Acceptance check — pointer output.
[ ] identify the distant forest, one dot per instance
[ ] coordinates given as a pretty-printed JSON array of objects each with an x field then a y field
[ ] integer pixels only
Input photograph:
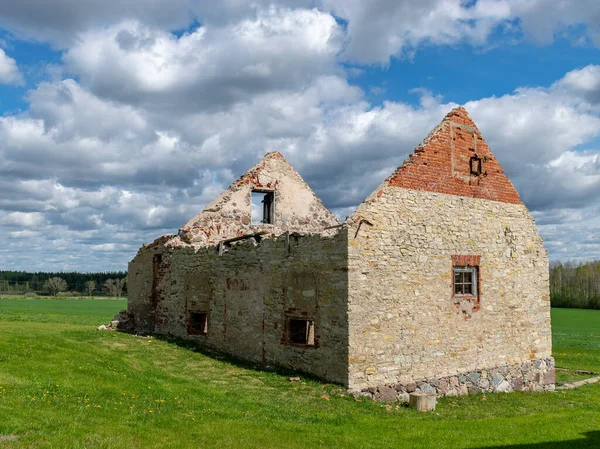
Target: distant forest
[
  {"x": 76, "y": 283},
  {"x": 575, "y": 285}
]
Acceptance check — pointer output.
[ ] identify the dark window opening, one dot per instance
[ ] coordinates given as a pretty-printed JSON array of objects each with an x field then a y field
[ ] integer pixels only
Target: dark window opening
[
  {"x": 156, "y": 261},
  {"x": 465, "y": 281},
  {"x": 475, "y": 165},
  {"x": 197, "y": 323},
  {"x": 263, "y": 207},
  {"x": 301, "y": 332}
]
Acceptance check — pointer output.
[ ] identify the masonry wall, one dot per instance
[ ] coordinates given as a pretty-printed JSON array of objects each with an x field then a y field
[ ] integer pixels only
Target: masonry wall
[
  {"x": 250, "y": 292},
  {"x": 407, "y": 326},
  {"x": 296, "y": 207}
]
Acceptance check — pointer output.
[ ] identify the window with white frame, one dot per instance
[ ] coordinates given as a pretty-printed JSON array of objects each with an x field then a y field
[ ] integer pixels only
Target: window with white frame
[{"x": 465, "y": 281}]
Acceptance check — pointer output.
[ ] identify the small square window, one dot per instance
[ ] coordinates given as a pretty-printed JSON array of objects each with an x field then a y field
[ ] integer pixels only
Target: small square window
[
  {"x": 465, "y": 281},
  {"x": 301, "y": 332},
  {"x": 263, "y": 207},
  {"x": 197, "y": 323}
]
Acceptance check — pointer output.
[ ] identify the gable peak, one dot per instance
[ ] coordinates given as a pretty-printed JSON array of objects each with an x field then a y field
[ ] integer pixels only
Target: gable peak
[{"x": 455, "y": 159}]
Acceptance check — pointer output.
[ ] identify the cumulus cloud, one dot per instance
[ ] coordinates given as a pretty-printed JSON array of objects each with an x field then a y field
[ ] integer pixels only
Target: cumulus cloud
[
  {"x": 384, "y": 28},
  {"x": 376, "y": 30},
  {"x": 9, "y": 72},
  {"x": 541, "y": 21},
  {"x": 211, "y": 66},
  {"x": 583, "y": 83}
]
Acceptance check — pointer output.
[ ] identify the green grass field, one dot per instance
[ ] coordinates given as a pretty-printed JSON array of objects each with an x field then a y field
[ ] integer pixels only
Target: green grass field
[{"x": 65, "y": 385}]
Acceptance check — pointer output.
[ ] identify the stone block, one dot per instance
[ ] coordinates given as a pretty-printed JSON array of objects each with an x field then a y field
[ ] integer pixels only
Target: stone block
[
  {"x": 474, "y": 377},
  {"x": 387, "y": 394},
  {"x": 424, "y": 387},
  {"x": 423, "y": 402},
  {"x": 473, "y": 389},
  {"x": 496, "y": 380},
  {"x": 503, "y": 387},
  {"x": 483, "y": 384},
  {"x": 549, "y": 377},
  {"x": 517, "y": 383},
  {"x": 403, "y": 397}
]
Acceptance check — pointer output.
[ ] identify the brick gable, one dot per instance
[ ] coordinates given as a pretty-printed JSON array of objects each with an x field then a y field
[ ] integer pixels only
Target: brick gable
[{"x": 443, "y": 163}]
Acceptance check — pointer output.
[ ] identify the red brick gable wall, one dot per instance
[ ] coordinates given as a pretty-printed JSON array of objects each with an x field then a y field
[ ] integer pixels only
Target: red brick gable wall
[{"x": 442, "y": 163}]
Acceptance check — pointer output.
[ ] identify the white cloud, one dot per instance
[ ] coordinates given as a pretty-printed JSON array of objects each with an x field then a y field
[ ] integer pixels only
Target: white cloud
[
  {"x": 384, "y": 28},
  {"x": 210, "y": 67},
  {"x": 9, "y": 72},
  {"x": 542, "y": 20},
  {"x": 583, "y": 83}
]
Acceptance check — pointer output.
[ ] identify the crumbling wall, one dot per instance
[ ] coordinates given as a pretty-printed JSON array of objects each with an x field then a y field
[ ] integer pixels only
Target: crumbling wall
[
  {"x": 250, "y": 293},
  {"x": 296, "y": 207}
]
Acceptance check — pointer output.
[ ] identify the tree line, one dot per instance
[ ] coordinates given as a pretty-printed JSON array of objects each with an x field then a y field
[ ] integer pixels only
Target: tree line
[
  {"x": 575, "y": 285},
  {"x": 111, "y": 283}
]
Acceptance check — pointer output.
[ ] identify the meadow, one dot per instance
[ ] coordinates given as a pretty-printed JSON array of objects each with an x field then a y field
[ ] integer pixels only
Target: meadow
[{"x": 63, "y": 384}]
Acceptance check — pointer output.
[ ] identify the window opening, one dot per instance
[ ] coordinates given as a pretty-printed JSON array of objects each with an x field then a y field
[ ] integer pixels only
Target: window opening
[
  {"x": 475, "y": 165},
  {"x": 263, "y": 210},
  {"x": 197, "y": 323},
  {"x": 301, "y": 332},
  {"x": 156, "y": 261},
  {"x": 465, "y": 281}
]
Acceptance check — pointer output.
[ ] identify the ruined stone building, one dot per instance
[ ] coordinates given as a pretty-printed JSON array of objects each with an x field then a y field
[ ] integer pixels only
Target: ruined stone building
[{"x": 437, "y": 282}]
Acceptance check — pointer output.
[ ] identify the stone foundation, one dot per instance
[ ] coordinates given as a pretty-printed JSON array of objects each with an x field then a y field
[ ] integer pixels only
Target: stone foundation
[{"x": 535, "y": 375}]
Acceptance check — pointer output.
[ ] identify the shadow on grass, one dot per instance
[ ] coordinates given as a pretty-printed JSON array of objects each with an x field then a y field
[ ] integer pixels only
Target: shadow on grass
[
  {"x": 591, "y": 440},
  {"x": 237, "y": 361}
]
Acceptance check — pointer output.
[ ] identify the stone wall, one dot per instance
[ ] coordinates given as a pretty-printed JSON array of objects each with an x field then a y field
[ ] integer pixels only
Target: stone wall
[
  {"x": 534, "y": 375},
  {"x": 406, "y": 325},
  {"x": 296, "y": 207},
  {"x": 250, "y": 292}
]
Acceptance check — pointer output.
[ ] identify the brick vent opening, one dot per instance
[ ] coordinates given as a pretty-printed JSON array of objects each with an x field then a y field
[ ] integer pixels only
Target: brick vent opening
[
  {"x": 301, "y": 332},
  {"x": 197, "y": 323}
]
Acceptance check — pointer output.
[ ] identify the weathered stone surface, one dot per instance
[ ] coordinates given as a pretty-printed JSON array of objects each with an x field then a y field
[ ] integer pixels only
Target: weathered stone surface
[
  {"x": 427, "y": 388},
  {"x": 423, "y": 402},
  {"x": 387, "y": 394},
  {"x": 517, "y": 384},
  {"x": 549, "y": 377},
  {"x": 515, "y": 378},
  {"x": 503, "y": 387},
  {"x": 297, "y": 208},
  {"x": 403, "y": 397},
  {"x": 483, "y": 384},
  {"x": 496, "y": 379},
  {"x": 474, "y": 377}
]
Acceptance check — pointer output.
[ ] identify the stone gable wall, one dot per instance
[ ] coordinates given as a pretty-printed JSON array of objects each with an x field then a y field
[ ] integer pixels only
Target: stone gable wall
[
  {"x": 250, "y": 292},
  {"x": 297, "y": 208},
  {"x": 405, "y": 323}
]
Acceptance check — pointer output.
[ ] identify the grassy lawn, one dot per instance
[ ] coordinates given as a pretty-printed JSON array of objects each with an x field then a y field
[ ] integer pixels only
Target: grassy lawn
[{"x": 65, "y": 385}]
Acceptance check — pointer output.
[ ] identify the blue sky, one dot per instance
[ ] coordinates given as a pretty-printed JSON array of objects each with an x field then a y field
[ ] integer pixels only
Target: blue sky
[{"x": 119, "y": 120}]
